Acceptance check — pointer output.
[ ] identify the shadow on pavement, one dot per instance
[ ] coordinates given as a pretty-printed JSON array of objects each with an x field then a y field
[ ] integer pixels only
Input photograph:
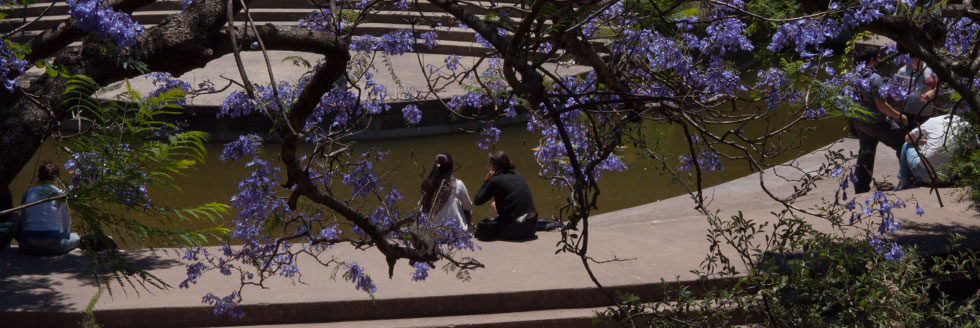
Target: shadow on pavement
[
  {"x": 32, "y": 283},
  {"x": 933, "y": 238}
]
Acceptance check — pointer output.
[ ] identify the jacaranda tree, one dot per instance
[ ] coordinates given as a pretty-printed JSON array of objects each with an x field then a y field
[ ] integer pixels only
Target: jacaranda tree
[{"x": 735, "y": 76}]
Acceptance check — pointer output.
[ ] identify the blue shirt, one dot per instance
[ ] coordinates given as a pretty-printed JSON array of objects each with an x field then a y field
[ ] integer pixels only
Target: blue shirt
[{"x": 47, "y": 216}]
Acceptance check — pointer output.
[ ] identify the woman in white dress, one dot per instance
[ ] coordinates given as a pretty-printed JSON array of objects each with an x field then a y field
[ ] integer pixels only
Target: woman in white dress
[{"x": 444, "y": 196}]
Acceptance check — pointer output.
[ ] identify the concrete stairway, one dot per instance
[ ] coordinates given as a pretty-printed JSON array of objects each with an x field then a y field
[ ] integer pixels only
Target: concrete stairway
[{"x": 452, "y": 39}]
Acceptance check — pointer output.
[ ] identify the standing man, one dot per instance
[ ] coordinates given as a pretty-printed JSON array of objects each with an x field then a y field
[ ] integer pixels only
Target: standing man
[
  {"x": 884, "y": 124},
  {"x": 921, "y": 82}
]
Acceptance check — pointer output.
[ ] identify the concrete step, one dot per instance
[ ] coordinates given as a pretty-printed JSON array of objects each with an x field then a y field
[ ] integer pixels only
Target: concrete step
[
  {"x": 560, "y": 318},
  {"x": 444, "y": 47},
  {"x": 382, "y": 23},
  {"x": 260, "y": 11},
  {"x": 547, "y": 307}
]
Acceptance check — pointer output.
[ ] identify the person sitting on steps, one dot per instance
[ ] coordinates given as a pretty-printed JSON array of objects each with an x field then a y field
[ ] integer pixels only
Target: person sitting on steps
[
  {"x": 937, "y": 141},
  {"x": 516, "y": 216},
  {"x": 45, "y": 228}
]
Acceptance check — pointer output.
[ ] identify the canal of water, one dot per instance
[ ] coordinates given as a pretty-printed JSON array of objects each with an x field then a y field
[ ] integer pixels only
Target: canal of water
[{"x": 410, "y": 158}]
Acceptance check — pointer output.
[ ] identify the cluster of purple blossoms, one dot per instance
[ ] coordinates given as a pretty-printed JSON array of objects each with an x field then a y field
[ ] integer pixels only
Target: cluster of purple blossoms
[
  {"x": 429, "y": 39},
  {"x": 412, "y": 113},
  {"x": 246, "y": 145},
  {"x": 480, "y": 40},
  {"x": 377, "y": 94},
  {"x": 238, "y": 103},
  {"x": 318, "y": 20},
  {"x": 421, "y": 271},
  {"x": 94, "y": 17},
  {"x": 866, "y": 11},
  {"x": 662, "y": 53},
  {"x": 725, "y": 35},
  {"x": 716, "y": 81},
  {"x": 391, "y": 43},
  {"x": 552, "y": 152},
  {"x": 133, "y": 193},
  {"x": 889, "y": 250},
  {"x": 488, "y": 136},
  {"x": 256, "y": 198},
  {"x": 86, "y": 168},
  {"x": 448, "y": 233},
  {"x": 851, "y": 84},
  {"x": 224, "y": 305},
  {"x": 10, "y": 66},
  {"x": 402, "y": 4},
  {"x": 338, "y": 101},
  {"x": 340, "y": 106},
  {"x": 960, "y": 36},
  {"x": 361, "y": 280},
  {"x": 328, "y": 233},
  {"x": 816, "y": 111},
  {"x": 387, "y": 214},
  {"x": 365, "y": 184},
  {"x": 878, "y": 205},
  {"x": 806, "y": 35},
  {"x": 452, "y": 62},
  {"x": 164, "y": 82},
  {"x": 775, "y": 83},
  {"x": 126, "y": 183},
  {"x": 707, "y": 160},
  {"x": 194, "y": 271},
  {"x": 896, "y": 89},
  {"x": 615, "y": 15},
  {"x": 469, "y": 99},
  {"x": 360, "y": 175}
]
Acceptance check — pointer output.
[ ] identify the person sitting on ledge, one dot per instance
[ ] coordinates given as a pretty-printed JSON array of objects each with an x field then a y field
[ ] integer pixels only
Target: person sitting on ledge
[
  {"x": 44, "y": 228},
  {"x": 444, "y": 196},
  {"x": 936, "y": 140},
  {"x": 516, "y": 217}
]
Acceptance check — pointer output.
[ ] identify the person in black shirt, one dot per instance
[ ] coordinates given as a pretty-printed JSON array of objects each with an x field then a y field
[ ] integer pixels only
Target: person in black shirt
[
  {"x": 516, "y": 217},
  {"x": 884, "y": 124}
]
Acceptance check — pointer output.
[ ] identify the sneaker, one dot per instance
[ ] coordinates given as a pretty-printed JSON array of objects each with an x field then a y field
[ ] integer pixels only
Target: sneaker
[
  {"x": 98, "y": 244},
  {"x": 884, "y": 186}
]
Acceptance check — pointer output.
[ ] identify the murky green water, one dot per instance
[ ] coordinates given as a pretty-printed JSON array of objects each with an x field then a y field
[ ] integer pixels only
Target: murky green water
[{"x": 410, "y": 158}]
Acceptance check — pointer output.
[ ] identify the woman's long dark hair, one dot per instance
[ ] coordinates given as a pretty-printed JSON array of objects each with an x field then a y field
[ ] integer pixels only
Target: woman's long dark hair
[{"x": 437, "y": 188}]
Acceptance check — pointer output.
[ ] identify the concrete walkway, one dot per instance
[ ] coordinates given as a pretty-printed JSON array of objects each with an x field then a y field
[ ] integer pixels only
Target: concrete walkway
[{"x": 664, "y": 240}]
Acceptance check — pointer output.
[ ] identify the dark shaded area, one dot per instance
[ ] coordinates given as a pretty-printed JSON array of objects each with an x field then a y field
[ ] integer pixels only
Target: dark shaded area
[
  {"x": 26, "y": 283},
  {"x": 933, "y": 238}
]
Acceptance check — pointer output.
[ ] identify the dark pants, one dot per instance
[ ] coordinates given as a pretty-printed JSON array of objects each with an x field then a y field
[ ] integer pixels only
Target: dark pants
[
  {"x": 869, "y": 134},
  {"x": 493, "y": 229},
  {"x": 9, "y": 221}
]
